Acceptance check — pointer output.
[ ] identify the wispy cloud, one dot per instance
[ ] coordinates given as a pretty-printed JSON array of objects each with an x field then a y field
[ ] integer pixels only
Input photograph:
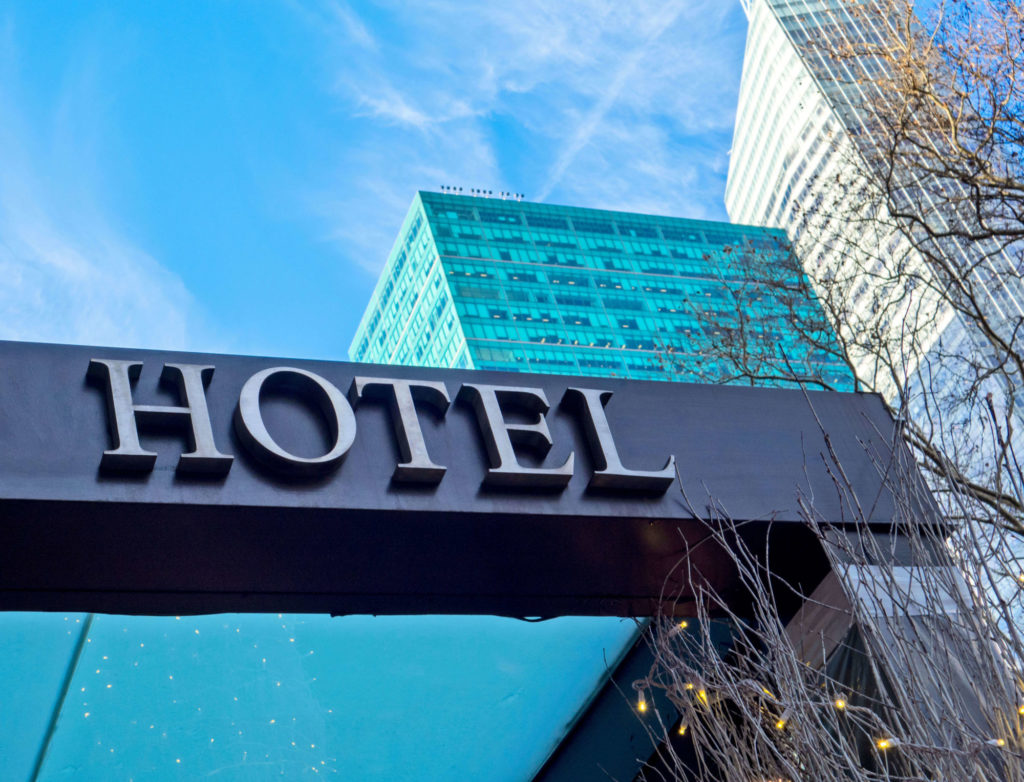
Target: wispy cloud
[
  {"x": 365, "y": 205},
  {"x": 626, "y": 72},
  {"x": 594, "y": 103},
  {"x": 389, "y": 104},
  {"x": 66, "y": 273},
  {"x": 353, "y": 27}
]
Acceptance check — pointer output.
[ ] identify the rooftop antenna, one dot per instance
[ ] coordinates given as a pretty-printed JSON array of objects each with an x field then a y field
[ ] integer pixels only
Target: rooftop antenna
[{"x": 479, "y": 192}]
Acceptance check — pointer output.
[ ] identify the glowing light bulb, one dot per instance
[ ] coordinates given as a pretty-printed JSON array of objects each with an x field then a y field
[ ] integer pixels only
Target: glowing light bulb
[
  {"x": 689, "y": 686},
  {"x": 682, "y": 730},
  {"x": 702, "y": 696},
  {"x": 641, "y": 705},
  {"x": 886, "y": 743},
  {"x": 1020, "y": 710},
  {"x": 997, "y": 742},
  {"x": 840, "y": 704},
  {"x": 684, "y": 624},
  {"x": 780, "y": 725}
]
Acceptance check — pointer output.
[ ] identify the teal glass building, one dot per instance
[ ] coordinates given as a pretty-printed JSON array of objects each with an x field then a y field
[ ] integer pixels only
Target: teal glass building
[{"x": 508, "y": 285}]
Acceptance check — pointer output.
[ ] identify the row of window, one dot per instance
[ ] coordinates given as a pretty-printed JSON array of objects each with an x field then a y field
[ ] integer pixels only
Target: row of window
[
  {"x": 463, "y": 271},
  {"x": 458, "y": 211},
  {"x": 661, "y": 363},
  {"x": 636, "y": 246}
]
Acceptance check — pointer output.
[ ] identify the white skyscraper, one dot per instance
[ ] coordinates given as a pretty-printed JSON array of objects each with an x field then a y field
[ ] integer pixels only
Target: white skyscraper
[{"x": 802, "y": 161}]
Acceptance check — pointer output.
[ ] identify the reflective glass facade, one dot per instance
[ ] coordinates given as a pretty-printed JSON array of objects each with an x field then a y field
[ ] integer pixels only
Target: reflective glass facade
[
  {"x": 507, "y": 285},
  {"x": 804, "y": 124}
]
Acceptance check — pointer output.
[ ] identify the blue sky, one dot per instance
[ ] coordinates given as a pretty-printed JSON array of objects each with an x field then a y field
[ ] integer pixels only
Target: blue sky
[{"x": 229, "y": 176}]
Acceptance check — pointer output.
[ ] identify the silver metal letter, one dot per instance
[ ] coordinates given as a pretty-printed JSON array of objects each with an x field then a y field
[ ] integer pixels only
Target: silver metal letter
[
  {"x": 609, "y": 472},
  {"x": 416, "y": 466},
  {"x": 501, "y": 437},
  {"x": 252, "y": 431},
  {"x": 124, "y": 417}
]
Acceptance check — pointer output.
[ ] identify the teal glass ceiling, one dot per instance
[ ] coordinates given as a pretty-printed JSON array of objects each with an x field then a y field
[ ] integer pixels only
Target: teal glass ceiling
[{"x": 254, "y": 697}]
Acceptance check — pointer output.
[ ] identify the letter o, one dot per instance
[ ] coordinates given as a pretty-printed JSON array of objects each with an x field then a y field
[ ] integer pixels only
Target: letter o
[{"x": 252, "y": 431}]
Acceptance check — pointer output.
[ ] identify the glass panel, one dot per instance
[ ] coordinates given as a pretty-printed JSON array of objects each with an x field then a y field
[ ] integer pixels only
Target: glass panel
[
  {"x": 34, "y": 658},
  {"x": 253, "y": 697}
]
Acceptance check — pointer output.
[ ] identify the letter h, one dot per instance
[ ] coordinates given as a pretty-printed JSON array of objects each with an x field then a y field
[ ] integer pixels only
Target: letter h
[{"x": 124, "y": 417}]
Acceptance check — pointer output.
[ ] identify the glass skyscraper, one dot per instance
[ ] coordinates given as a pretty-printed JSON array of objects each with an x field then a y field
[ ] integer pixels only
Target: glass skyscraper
[
  {"x": 804, "y": 138},
  {"x": 796, "y": 137},
  {"x": 518, "y": 286}
]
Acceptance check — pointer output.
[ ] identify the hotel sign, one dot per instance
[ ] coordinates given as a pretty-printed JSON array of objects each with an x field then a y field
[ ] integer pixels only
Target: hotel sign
[
  {"x": 492, "y": 404},
  {"x": 156, "y": 482}
]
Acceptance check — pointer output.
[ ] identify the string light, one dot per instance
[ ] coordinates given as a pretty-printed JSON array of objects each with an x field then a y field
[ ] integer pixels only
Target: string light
[
  {"x": 683, "y": 625},
  {"x": 682, "y": 729},
  {"x": 996, "y": 742},
  {"x": 641, "y": 705},
  {"x": 840, "y": 704},
  {"x": 780, "y": 725},
  {"x": 702, "y": 696},
  {"x": 886, "y": 743}
]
